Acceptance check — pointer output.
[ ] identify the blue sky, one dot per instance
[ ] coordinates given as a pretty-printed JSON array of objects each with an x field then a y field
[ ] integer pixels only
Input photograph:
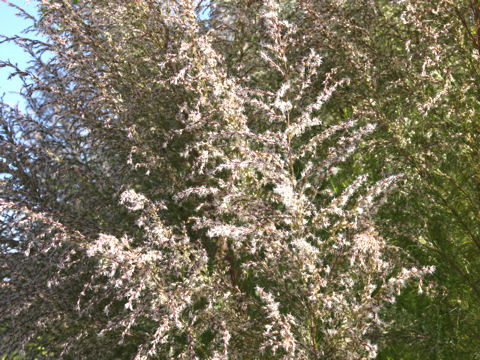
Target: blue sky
[{"x": 10, "y": 24}]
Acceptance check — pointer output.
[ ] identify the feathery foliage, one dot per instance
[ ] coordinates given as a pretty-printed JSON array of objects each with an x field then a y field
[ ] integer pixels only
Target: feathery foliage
[{"x": 207, "y": 179}]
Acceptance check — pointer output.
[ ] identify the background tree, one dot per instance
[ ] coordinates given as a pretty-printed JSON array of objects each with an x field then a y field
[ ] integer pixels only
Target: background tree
[{"x": 413, "y": 69}]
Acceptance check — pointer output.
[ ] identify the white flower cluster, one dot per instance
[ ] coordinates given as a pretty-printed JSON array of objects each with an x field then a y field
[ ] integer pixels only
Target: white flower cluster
[{"x": 133, "y": 200}]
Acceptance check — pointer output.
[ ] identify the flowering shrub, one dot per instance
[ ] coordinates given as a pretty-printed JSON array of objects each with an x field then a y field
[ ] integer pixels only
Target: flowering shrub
[{"x": 160, "y": 206}]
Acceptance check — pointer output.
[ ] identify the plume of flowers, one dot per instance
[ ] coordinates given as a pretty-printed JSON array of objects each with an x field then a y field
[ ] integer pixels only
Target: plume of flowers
[{"x": 216, "y": 238}]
